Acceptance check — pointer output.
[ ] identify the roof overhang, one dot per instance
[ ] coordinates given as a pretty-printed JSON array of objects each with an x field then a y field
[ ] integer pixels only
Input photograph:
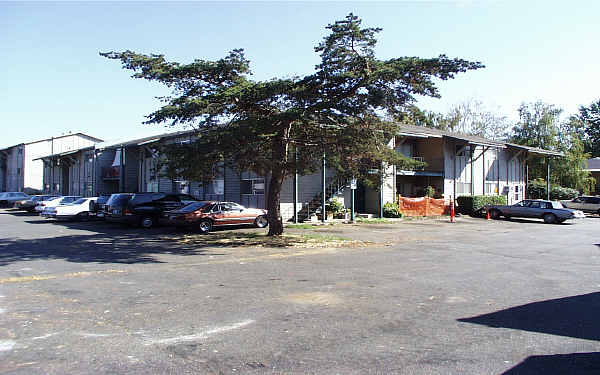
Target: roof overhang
[
  {"x": 534, "y": 150},
  {"x": 418, "y": 135},
  {"x": 477, "y": 142},
  {"x": 64, "y": 154}
]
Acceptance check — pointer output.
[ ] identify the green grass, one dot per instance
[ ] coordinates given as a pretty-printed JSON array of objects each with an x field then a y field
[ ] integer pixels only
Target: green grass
[
  {"x": 377, "y": 220},
  {"x": 300, "y": 226}
]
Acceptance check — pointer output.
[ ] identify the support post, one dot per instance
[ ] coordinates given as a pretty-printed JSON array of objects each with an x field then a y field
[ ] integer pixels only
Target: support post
[
  {"x": 122, "y": 170},
  {"x": 526, "y": 179},
  {"x": 381, "y": 192},
  {"x": 547, "y": 178},
  {"x": 352, "y": 206},
  {"x": 324, "y": 188},
  {"x": 296, "y": 187}
]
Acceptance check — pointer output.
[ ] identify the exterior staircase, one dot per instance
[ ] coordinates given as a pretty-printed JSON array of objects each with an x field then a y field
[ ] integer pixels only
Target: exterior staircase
[{"x": 333, "y": 187}]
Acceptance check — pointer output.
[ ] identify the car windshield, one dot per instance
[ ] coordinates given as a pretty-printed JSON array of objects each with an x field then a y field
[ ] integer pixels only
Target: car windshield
[
  {"x": 118, "y": 199},
  {"x": 557, "y": 205},
  {"x": 194, "y": 206},
  {"x": 79, "y": 201}
]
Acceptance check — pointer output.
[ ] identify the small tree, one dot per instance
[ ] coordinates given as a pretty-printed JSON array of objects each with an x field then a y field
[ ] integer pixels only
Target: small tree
[{"x": 284, "y": 125}]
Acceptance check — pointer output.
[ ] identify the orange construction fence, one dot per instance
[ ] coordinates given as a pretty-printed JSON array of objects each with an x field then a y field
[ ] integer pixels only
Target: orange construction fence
[{"x": 424, "y": 206}]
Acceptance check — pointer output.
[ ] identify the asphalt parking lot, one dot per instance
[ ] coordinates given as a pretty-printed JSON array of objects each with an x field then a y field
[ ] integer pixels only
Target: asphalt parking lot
[{"x": 425, "y": 297}]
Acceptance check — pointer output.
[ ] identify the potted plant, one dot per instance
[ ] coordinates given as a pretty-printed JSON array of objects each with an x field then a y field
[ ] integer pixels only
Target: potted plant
[{"x": 336, "y": 209}]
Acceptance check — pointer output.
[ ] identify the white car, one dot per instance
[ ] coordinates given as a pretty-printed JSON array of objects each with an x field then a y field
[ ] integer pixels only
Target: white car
[
  {"x": 79, "y": 209},
  {"x": 55, "y": 202}
]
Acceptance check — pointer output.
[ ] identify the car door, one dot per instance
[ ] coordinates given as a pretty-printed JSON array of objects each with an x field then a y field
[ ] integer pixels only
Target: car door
[
  {"x": 218, "y": 215},
  {"x": 239, "y": 214},
  {"x": 518, "y": 209},
  {"x": 536, "y": 209}
]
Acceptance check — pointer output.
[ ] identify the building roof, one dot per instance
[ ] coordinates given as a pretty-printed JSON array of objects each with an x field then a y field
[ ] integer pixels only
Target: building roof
[
  {"x": 66, "y": 153},
  {"x": 593, "y": 165},
  {"x": 94, "y": 139},
  {"x": 423, "y": 132},
  {"x": 141, "y": 141}
]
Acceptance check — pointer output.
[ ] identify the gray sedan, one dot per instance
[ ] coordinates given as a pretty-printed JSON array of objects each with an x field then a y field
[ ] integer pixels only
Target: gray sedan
[
  {"x": 550, "y": 211},
  {"x": 8, "y": 199}
]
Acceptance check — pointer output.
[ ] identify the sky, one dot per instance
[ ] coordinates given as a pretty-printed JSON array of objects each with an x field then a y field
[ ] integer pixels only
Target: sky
[{"x": 53, "y": 80}]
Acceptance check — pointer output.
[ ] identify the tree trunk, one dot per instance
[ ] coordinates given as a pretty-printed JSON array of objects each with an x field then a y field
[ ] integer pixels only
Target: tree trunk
[
  {"x": 278, "y": 153},
  {"x": 274, "y": 201}
]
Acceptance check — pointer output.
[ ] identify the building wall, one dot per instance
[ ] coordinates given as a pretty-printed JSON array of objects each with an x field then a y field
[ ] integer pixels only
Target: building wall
[
  {"x": 495, "y": 171},
  {"x": 14, "y": 172},
  {"x": 34, "y": 169}
]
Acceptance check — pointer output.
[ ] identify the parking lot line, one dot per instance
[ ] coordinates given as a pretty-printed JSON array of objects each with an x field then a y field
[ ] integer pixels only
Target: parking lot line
[{"x": 201, "y": 335}]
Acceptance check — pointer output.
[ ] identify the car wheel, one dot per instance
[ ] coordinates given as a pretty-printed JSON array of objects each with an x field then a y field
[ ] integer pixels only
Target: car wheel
[
  {"x": 83, "y": 216},
  {"x": 549, "y": 218},
  {"x": 205, "y": 226},
  {"x": 495, "y": 214},
  {"x": 261, "y": 221},
  {"x": 147, "y": 222}
]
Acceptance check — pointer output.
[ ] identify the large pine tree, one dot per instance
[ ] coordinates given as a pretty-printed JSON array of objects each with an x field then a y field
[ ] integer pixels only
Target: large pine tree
[{"x": 255, "y": 125}]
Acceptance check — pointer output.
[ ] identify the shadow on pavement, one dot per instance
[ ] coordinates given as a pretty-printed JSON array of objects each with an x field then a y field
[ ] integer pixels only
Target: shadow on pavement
[
  {"x": 537, "y": 221},
  {"x": 572, "y": 364},
  {"x": 102, "y": 242},
  {"x": 575, "y": 316},
  {"x": 124, "y": 248}
]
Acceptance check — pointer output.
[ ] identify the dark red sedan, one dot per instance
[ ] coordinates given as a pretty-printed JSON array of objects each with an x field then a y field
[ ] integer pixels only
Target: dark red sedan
[{"x": 206, "y": 215}]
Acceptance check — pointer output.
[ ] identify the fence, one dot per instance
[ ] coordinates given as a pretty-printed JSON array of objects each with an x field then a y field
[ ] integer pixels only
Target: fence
[{"x": 424, "y": 206}]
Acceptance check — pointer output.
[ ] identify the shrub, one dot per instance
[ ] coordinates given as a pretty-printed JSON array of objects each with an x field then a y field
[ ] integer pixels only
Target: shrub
[
  {"x": 537, "y": 190},
  {"x": 471, "y": 204},
  {"x": 335, "y": 206},
  {"x": 561, "y": 193},
  {"x": 429, "y": 191},
  {"x": 391, "y": 210}
]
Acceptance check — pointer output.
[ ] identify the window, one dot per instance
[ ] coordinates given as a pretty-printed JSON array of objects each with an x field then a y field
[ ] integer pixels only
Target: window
[
  {"x": 535, "y": 204},
  {"x": 254, "y": 186}
]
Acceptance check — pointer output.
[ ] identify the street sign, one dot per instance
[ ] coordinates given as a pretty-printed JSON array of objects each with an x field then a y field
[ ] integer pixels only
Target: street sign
[{"x": 353, "y": 184}]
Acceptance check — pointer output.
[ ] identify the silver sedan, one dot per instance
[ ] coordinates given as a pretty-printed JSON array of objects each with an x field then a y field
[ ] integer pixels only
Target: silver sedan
[{"x": 550, "y": 211}]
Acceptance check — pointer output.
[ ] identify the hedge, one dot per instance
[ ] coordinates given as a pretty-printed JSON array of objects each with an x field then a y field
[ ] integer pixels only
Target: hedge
[
  {"x": 537, "y": 190},
  {"x": 470, "y": 204}
]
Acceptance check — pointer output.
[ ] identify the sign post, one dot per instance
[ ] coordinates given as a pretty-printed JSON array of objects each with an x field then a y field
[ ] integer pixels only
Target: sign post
[{"x": 352, "y": 188}]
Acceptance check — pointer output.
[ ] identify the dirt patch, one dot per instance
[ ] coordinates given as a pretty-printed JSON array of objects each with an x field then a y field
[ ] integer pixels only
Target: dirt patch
[{"x": 242, "y": 239}]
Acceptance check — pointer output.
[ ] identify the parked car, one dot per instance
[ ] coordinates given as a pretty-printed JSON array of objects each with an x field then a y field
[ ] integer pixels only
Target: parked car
[
  {"x": 550, "y": 211},
  {"x": 206, "y": 215},
  {"x": 584, "y": 203},
  {"x": 55, "y": 202},
  {"x": 79, "y": 209},
  {"x": 143, "y": 209},
  {"x": 29, "y": 204},
  {"x": 98, "y": 209},
  {"x": 8, "y": 199}
]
